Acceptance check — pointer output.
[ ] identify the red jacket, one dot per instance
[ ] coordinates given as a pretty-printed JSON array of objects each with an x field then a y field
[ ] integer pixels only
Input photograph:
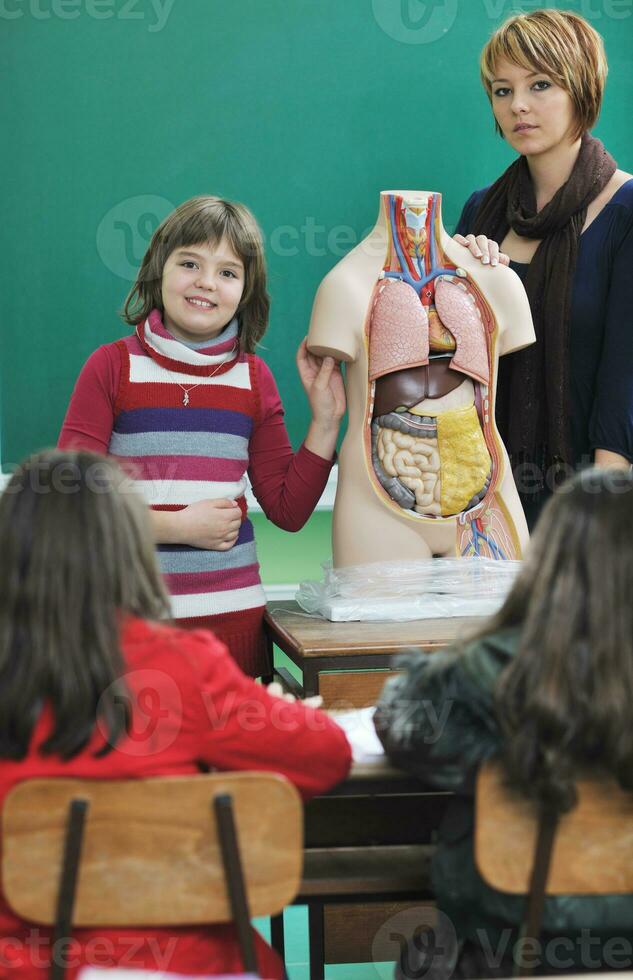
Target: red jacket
[{"x": 192, "y": 709}]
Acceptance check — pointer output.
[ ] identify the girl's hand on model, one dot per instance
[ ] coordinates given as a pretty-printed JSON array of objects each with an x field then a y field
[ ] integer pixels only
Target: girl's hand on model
[
  {"x": 211, "y": 524},
  {"x": 323, "y": 384},
  {"x": 483, "y": 248}
]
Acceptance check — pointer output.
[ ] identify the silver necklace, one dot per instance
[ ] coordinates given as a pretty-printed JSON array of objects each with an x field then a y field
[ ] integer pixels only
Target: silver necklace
[{"x": 186, "y": 390}]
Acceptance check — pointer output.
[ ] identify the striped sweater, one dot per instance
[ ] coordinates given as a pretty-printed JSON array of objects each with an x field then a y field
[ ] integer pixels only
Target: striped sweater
[{"x": 179, "y": 453}]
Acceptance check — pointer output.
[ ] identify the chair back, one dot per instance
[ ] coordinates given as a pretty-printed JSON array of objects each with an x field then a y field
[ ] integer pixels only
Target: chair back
[
  {"x": 592, "y": 850},
  {"x": 150, "y": 852}
]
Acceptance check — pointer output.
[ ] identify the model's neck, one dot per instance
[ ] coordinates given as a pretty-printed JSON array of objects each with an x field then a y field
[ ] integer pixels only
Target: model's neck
[
  {"x": 550, "y": 170},
  {"x": 418, "y": 201}
]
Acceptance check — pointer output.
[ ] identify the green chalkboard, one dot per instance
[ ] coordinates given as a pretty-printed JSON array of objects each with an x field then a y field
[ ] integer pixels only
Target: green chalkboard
[{"x": 113, "y": 111}]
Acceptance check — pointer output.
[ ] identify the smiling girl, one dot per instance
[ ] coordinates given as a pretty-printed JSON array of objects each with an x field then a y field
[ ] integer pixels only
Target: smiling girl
[
  {"x": 563, "y": 217},
  {"x": 189, "y": 409}
]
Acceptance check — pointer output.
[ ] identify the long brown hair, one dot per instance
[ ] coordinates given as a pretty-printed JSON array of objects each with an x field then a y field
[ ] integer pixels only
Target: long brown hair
[
  {"x": 77, "y": 555},
  {"x": 565, "y": 700},
  {"x": 199, "y": 221}
]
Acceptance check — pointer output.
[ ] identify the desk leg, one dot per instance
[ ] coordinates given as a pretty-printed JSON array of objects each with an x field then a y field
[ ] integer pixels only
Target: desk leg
[
  {"x": 310, "y": 680},
  {"x": 269, "y": 674},
  {"x": 316, "y": 940}
]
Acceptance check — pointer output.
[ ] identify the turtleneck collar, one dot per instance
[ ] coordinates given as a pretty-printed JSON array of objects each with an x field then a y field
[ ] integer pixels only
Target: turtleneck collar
[{"x": 210, "y": 357}]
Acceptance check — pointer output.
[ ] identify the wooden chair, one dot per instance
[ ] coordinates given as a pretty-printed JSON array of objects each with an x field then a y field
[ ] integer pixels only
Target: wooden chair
[
  {"x": 524, "y": 850},
  {"x": 169, "y": 851}
]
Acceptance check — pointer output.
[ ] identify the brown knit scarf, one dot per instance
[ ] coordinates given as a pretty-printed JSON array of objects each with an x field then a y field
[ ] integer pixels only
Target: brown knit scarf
[{"x": 533, "y": 388}]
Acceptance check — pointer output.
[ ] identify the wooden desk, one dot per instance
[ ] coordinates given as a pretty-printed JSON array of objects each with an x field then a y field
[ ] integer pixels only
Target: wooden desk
[
  {"x": 323, "y": 650},
  {"x": 375, "y": 804},
  {"x": 368, "y": 844}
]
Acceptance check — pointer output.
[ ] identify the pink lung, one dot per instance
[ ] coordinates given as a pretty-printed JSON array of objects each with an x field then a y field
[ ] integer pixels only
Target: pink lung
[
  {"x": 399, "y": 336},
  {"x": 459, "y": 312}
]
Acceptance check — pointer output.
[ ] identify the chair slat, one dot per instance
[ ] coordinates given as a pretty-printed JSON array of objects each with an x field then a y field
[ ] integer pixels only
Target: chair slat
[
  {"x": 593, "y": 849},
  {"x": 151, "y": 855}
]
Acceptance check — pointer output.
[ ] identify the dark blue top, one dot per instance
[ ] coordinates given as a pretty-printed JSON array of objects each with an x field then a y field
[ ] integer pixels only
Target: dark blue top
[{"x": 601, "y": 328}]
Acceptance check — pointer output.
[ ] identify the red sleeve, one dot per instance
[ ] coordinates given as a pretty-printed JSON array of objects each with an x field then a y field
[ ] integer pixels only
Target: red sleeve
[
  {"x": 90, "y": 416},
  {"x": 287, "y": 485},
  {"x": 241, "y": 726}
]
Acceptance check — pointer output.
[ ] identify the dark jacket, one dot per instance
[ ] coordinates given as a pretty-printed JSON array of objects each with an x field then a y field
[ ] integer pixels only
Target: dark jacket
[{"x": 437, "y": 720}]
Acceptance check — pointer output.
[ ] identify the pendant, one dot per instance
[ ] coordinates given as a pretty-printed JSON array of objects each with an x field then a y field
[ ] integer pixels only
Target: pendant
[{"x": 185, "y": 398}]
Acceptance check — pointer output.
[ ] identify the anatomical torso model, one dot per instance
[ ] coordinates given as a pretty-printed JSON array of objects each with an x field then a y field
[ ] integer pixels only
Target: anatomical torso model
[{"x": 421, "y": 324}]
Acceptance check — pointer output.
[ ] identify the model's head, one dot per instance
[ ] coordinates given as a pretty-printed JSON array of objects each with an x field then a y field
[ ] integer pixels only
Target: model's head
[
  {"x": 205, "y": 264},
  {"x": 548, "y": 69},
  {"x": 567, "y": 695},
  {"x": 77, "y": 556}
]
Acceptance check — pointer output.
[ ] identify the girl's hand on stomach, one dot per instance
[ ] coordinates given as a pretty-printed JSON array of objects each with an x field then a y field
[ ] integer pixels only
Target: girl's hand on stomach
[
  {"x": 483, "y": 248},
  {"x": 211, "y": 524}
]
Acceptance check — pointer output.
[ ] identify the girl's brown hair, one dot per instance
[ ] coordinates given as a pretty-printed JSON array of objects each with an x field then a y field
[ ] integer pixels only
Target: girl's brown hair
[
  {"x": 565, "y": 700},
  {"x": 206, "y": 220},
  {"x": 77, "y": 556},
  {"x": 560, "y": 44}
]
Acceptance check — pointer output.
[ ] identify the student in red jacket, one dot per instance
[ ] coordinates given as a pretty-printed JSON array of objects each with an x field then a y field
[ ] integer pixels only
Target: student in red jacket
[{"x": 93, "y": 685}]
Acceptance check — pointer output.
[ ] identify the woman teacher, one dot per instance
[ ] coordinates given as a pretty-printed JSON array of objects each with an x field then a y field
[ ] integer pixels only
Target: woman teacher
[{"x": 563, "y": 215}]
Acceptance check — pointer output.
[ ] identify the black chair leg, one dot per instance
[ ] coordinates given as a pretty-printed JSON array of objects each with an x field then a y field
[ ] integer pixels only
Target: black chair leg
[
  {"x": 277, "y": 939},
  {"x": 316, "y": 940}
]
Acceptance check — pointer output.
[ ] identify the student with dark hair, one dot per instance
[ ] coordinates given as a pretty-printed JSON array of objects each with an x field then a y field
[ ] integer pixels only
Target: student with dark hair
[
  {"x": 547, "y": 686},
  {"x": 95, "y": 683}
]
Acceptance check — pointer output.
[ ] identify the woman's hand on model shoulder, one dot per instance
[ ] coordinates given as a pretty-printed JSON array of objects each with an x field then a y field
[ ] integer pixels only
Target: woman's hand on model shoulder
[{"x": 483, "y": 248}]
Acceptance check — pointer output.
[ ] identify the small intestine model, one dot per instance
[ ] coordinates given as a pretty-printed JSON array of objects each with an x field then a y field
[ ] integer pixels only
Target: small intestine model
[{"x": 420, "y": 324}]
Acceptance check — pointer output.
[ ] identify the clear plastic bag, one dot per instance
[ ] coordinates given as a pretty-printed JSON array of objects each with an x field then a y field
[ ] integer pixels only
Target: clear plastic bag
[{"x": 401, "y": 590}]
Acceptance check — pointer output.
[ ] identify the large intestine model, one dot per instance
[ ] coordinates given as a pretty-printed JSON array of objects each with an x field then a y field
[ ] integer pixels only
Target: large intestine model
[{"x": 421, "y": 324}]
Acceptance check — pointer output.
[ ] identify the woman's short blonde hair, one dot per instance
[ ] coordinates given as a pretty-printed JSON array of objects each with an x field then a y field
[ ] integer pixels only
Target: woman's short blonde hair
[{"x": 561, "y": 44}]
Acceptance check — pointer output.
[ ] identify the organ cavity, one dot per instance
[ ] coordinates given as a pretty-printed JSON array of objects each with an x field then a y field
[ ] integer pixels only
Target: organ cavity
[
  {"x": 437, "y": 466},
  {"x": 399, "y": 335}
]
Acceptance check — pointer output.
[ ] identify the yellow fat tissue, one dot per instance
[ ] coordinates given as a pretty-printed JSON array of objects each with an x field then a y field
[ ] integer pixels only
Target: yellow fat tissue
[{"x": 465, "y": 460}]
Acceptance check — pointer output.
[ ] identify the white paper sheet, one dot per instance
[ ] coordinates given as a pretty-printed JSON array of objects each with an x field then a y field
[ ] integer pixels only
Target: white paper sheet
[{"x": 358, "y": 725}]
